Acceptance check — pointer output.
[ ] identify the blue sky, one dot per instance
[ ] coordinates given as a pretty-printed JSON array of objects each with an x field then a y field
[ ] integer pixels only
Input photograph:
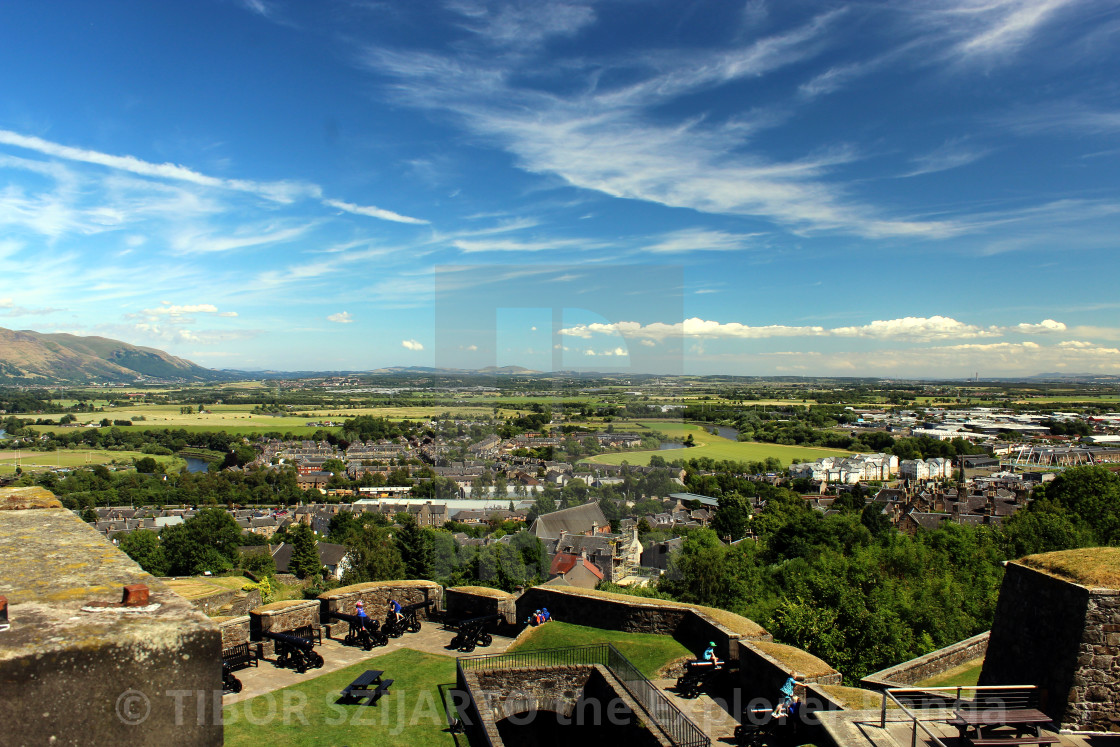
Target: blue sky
[{"x": 918, "y": 189}]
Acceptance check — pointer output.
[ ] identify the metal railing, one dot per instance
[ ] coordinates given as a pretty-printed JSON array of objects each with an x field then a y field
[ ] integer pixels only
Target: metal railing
[
  {"x": 892, "y": 692},
  {"x": 680, "y": 730}
]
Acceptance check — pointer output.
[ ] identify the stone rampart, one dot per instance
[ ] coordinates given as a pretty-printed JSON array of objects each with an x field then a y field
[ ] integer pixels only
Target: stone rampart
[
  {"x": 694, "y": 626},
  {"x": 235, "y": 630},
  {"x": 764, "y": 666},
  {"x": 375, "y": 597},
  {"x": 280, "y": 617},
  {"x": 475, "y": 601},
  {"x": 1061, "y": 636},
  {"x": 96, "y": 647},
  {"x": 930, "y": 665}
]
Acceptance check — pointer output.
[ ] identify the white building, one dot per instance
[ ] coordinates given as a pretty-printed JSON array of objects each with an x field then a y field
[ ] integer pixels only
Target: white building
[
  {"x": 848, "y": 470},
  {"x": 936, "y": 468}
]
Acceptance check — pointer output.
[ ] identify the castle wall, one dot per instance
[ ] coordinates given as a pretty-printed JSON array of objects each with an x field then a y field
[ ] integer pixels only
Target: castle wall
[{"x": 1062, "y": 637}]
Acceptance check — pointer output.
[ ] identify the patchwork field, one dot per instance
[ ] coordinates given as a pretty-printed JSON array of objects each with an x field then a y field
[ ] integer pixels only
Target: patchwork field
[{"x": 709, "y": 445}]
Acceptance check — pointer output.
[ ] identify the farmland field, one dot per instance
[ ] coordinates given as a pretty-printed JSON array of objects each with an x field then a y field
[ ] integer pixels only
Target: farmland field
[
  {"x": 37, "y": 461},
  {"x": 716, "y": 447}
]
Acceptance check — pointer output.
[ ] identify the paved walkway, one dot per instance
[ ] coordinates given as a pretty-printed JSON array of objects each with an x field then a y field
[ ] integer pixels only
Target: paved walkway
[
  {"x": 432, "y": 639},
  {"x": 710, "y": 714},
  {"x": 862, "y": 729}
]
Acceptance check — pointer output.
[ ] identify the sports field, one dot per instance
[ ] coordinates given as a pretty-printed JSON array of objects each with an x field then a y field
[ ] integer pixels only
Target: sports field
[
  {"x": 39, "y": 461},
  {"x": 716, "y": 447}
]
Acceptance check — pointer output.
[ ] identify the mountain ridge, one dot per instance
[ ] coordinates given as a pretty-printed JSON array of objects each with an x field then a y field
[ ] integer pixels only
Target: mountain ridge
[{"x": 37, "y": 358}]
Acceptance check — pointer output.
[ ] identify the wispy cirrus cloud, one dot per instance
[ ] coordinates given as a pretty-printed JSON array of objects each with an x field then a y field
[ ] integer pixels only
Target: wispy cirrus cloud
[
  {"x": 950, "y": 155},
  {"x": 283, "y": 192},
  {"x": 603, "y": 137},
  {"x": 700, "y": 239}
]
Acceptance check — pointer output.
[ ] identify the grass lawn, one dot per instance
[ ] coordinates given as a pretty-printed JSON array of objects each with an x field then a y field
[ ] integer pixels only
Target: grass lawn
[
  {"x": 40, "y": 461},
  {"x": 647, "y": 651},
  {"x": 966, "y": 674},
  {"x": 410, "y": 715},
  {"x": 716, "y": 447}
]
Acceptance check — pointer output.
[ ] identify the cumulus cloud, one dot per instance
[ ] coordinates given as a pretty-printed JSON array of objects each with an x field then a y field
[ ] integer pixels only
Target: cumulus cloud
[
  {"x": 178, "y": 314},
  {"x": 1044, "y": 327},
  {"x": 342, "y": 317},
  {"x": 411, "y": 345},
  {"x": 910, "y": 329}
]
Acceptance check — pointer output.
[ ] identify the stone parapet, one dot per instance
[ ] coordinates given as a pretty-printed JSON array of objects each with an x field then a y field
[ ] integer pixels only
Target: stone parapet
[
  {"x": 280, "y": 617},
  {"x": 930, "y": 665},
  {"x": 80, "y": 666},
  {"x": 764, "y": 666},
  {"x": 694, "y": 626},
  {"x": 1062, "y": 637},
  {"x": 235, "y": 630},
  {"x": 375, "y": 598},
  {"x": 475, "y": 601}
]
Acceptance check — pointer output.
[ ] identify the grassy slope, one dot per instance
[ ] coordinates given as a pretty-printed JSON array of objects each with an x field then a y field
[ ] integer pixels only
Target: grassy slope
[
  {"x": 716, "y": 447},
  {"x": 966, "y": 674},
  {"x": 411, "y": 715},
  {"x": 648, "y": 652},
  {"x": 34, "y": 461}
]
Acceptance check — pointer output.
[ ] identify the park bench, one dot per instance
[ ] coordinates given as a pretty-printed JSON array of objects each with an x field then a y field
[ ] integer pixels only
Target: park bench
[
  {"x": 472, "y": 632},
  {"x": 233, "y": 659},
  {"x": 291, "y": 650},
  {"x": 368, "y": 685},
  {"x": 312, "y": 633},
  {"x": 1002, "y": 717},
  {"x": 363, "y": 631}
]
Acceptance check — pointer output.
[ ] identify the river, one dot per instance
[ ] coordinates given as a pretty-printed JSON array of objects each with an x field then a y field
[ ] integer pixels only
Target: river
[
  {"x": 197, "y": 465},
  {"x": 724, "y": 431}
]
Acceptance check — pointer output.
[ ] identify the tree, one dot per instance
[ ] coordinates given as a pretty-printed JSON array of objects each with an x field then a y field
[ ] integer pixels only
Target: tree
[
  {"x": 305, "y": 553},
  {"x": 373, "y": 556},
  {"x": 1092, "y": 495},
  {"x": 147, "y": 465},
  {"x": 142, "y": 545},
  {"x": 416, "y": 549},
  {"x": 732, "y": 517},
  {"x": 207, "y": 541}
]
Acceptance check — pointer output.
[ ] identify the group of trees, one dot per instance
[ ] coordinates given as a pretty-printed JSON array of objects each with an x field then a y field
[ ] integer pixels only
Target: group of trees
[{"x": 383, "y": 551}]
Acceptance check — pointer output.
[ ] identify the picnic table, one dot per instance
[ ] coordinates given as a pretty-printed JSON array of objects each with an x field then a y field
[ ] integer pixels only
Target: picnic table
[
  {"x": 1001, "y": 727},
  {"x": 368, "y": 685}
]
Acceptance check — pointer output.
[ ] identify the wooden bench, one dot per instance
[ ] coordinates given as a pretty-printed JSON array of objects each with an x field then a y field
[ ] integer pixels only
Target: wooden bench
[
  {"x": 312, "y": 633},
  {"x": 368, "y": 685},
  {"x": 1008, "y": 741},
  {"x": 238, "y": 657}
]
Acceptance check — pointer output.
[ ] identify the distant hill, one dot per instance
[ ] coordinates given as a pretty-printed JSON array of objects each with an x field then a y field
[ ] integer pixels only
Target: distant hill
[{"x": 36, "y": 358}]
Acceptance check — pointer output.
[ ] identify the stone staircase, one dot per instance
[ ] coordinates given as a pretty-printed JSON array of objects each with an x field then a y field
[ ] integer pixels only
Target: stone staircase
[{"x": 706, "y": 712}]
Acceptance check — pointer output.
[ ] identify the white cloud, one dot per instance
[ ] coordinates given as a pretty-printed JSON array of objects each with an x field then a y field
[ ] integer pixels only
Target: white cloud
[
  {"x": 699, "y": 239},
  {"x": 373, "y": 212},
  {"x": 950, "y": 155},
  {"x": 1044, "y": 327},
  {"x": 909, "y": 329},
  {"x": 342, "y": 317},
  {"x": 510, "y": 245},
  {"x": 605, "y": 137},
  {"x": 276, "y": 191},
  {"x": 411, "y": 345}
]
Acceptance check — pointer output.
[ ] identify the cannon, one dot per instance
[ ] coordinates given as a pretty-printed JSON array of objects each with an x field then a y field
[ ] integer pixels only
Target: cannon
[
  {"x": 473, "y": 633},
  {"x": 295, "y": 652},
  {"x": 364, "y": 631},
  {"x": 409, "y": 622},
  {"x": 696, "y": 677}
]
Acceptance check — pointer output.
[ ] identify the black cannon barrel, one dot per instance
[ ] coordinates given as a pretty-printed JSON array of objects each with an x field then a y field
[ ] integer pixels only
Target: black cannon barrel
[
  {"x": 352, "y": 619},
  {"x": 417, "y": 605},
  {"x": 481, "y": 619},
  {"x": 301, "y": 643}
]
